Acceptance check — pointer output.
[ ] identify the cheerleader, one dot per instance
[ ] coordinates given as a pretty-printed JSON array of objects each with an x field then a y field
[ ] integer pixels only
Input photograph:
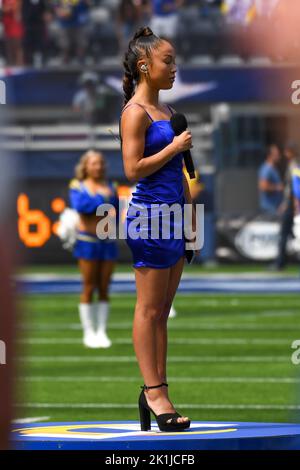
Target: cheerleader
[
  {"x": 152, "y": 155},
  {"x": 96, "y": 257}
]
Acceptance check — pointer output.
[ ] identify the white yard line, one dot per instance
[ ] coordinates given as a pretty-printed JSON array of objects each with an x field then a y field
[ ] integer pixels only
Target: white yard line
[
  {"x": 122, "y": 359},
  {"x": 249, "y": 315},
  {"x": 262, "y": 380},
  {"x": 31, "y": 420},
  {"x": 179, "y": 301},
  {"x": 195, "y": 324},
  {"x": 216, "y": 406},
  {"x": 200, "y": 341},
  {"x": 129, "y": 276}
]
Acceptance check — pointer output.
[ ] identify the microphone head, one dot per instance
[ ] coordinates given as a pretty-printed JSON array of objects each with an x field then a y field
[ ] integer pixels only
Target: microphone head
[{"x": 178, "y": 123}]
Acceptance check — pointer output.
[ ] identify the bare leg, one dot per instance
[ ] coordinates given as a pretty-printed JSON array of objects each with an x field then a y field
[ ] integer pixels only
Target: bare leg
[
  {"x": 161, "y": 333},
  {"x": 89, "y": 277},
  {"x": 105, "y": 270},
  {"x": 102, "y": 308},
  {"x": 152, "y": 286}
]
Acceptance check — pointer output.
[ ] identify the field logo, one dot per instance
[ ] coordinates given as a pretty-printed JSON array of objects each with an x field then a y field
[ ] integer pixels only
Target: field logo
[
  {"x": 295, "y": 358},
  {"x": 2, "y": 92},
  {"x": 111, "y": 430},
  {"x": 2, "y": 353}
]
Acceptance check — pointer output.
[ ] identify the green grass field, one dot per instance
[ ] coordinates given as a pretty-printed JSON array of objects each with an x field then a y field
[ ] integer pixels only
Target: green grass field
[{"x": 229, "y": 358}]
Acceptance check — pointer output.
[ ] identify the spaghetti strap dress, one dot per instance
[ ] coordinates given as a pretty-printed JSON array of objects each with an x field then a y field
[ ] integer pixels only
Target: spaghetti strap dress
[{"x": 149, "y": 204}]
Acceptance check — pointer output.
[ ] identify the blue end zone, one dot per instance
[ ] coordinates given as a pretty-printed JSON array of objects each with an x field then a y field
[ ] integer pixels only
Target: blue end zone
[{"x": 126, "y": 435}]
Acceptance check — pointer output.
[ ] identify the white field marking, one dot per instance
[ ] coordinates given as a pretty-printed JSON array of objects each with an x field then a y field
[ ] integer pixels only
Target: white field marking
[
  {"x": 263, "y": 380},
  {"x": 292, "y": 312},
  {"x": 215, "y": 406},
  {"x": 250, "y": 315},
  {"x": 128, "y": 275},
  {"x": 30, "y": 420},
  {"x": 170, "y": 359},
  {"x": 214, "y": 296},
  {"x": 182, "y": 301},
  {"x": 278, "y": 313},
  {"x": 124, "y": 303},
  {"x": 172, "y": 326},
  {"x": 201, "y": 341}
]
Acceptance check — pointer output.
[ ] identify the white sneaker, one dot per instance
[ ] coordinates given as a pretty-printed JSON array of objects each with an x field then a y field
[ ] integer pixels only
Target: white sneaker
[
  {"x": 102, "y": 340},
  {"x": 90, "y": 340},
  {"x": 173, "y": 312}
]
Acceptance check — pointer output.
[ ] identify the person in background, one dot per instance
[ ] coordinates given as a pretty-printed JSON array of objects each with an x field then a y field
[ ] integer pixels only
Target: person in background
[
  {"x": 194, "y": 184},
  {"x": 34, "y": 17},
  {"x": 296, "y": 200},
  {"x": 13, "y": 31},
  {"x": 127, "y": 20},
  {"x": 287, "y": 207},
  {"x": 270, "y": 184},
  {"x": 91, "y": 101},
  {"x": 164, "y": 21},
  {"x": 296, "y": 189},
  {"x": 74, "y": 20},
  {"x": 146, "y": 12},
  {"x": 96, "y": 257}
]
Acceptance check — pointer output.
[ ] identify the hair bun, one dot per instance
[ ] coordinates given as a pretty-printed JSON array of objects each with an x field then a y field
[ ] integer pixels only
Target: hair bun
[{"x": 144, "y": 31}]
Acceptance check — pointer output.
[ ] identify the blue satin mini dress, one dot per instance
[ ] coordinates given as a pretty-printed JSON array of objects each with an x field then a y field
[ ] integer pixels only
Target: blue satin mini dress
[
  {"x": 88, "y": 246},
  {"x": 162, "y": 189}
]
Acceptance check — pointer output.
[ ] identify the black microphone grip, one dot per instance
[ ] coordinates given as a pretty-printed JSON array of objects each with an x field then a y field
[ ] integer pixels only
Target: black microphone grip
[
  {"x": 189, "y": 164},
  {"x": 179, "y": 125}
]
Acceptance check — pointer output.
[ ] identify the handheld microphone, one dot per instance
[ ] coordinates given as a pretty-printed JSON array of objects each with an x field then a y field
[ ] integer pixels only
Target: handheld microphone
[{"x": 179, "y": 125}]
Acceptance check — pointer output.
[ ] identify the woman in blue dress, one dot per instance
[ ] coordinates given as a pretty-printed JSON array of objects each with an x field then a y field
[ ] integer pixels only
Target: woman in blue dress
[
  {"x": 152, "y": 156},
  {"x": 96, "y": 257}
]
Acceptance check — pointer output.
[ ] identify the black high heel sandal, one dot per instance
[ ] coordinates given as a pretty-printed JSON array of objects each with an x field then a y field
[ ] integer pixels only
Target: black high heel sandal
[{"x": 161, "y": 419}]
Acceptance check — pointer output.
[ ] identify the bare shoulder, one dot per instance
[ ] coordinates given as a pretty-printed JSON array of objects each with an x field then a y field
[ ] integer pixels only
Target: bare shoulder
[{"x": 134, "y": 120}]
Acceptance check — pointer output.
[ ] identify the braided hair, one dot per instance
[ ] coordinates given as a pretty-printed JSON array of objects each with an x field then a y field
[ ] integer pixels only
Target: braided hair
[{"x": 143, "y": 41}]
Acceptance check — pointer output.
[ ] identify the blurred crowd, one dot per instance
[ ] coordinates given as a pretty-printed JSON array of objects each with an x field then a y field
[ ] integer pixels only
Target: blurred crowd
[
  {"x": 38, "y": 31},
  {"x": 276, "y": 195}
]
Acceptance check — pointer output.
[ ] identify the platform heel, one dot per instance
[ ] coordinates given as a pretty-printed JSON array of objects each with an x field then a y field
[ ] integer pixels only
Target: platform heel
[
  {"x": 145, "y": 418},
  {"x": 162, "y": 419}
]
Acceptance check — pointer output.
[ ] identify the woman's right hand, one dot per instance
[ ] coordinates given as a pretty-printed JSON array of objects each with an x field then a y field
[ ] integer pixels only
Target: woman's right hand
[{"x": 183, "y": 141}]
